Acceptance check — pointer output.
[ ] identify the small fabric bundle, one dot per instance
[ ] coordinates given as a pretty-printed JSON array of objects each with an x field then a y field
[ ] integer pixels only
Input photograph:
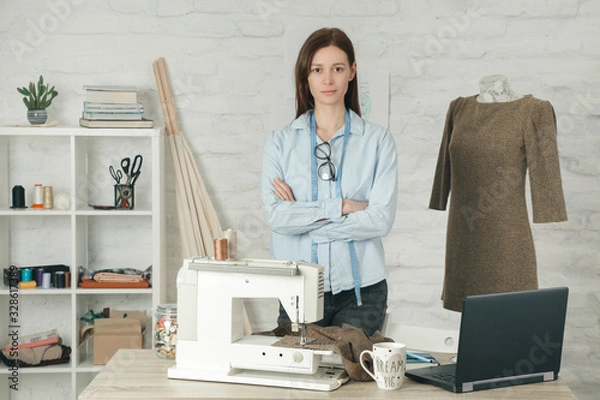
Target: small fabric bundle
[
  {"x": 115, "y": 277},
  {"x": 37, "y": 356},
  {"x": 347, "y": 341}
]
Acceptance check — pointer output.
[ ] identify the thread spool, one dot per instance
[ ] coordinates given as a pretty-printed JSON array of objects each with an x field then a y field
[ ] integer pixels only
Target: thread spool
[
  {"x": 221, "y": 252},
  {"x": 18, "y": 197},
  {"x": 39, "y": 276},
  {"x": 38, "y": 196},
  {"x": 231, "y": 237},
  {"x": 46, "y": 280},
  {"x": 26, "y": 275},
  {"x": 59, "y": 280},
  {"x": 27, "y": 285},
  {"x": 48, "y": 197}
]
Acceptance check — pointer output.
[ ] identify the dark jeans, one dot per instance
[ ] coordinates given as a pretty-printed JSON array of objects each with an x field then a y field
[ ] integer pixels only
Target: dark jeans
[{"x": 341, "y": 309}]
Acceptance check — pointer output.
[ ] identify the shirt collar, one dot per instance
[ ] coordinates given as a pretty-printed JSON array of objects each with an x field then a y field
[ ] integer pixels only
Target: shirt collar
[{"x": 302, "y": 123}]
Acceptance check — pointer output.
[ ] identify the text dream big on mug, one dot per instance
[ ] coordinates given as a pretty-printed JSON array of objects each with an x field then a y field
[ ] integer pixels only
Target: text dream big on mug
[{"x": 389, "y": 364}]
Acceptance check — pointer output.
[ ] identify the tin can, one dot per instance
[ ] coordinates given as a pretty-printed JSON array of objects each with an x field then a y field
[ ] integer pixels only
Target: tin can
[{"x": 165, "y": 332}]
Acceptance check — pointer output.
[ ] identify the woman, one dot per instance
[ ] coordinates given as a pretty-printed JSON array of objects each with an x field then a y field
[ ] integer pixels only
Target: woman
[{"x": 329, "y": 185}]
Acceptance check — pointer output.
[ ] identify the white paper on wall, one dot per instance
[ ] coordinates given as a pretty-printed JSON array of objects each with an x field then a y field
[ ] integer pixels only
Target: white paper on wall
[{"x": 374, "y": 96}]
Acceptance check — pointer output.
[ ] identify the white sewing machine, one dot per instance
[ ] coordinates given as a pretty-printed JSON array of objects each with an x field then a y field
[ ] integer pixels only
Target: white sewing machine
[{"x": 211, "y": 344}]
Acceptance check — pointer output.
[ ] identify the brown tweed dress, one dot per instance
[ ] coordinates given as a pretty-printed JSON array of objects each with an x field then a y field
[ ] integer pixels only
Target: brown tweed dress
[{"x": 486, "y": 151}]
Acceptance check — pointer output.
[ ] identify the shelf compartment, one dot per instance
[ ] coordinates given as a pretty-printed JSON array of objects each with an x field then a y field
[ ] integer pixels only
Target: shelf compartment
[
  {"x": 116, "y": 241},
  {"x": 27, "y": 159},
  {"x": 93, "y": 181},
  {"x": 96, "y": 302},
  {"x": 29, "y": 316},
  {"x": 36, "y": 239}
]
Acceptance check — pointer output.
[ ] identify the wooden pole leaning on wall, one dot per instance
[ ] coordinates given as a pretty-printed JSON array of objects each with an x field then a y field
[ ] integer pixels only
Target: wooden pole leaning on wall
[
  {"x": 169, "y": 116},
  {"x": 166, "y": 96},
  {"x": 199, "y": 222}
]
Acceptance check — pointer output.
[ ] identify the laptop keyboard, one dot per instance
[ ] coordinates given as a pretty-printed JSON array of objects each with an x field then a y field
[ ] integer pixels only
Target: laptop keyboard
[{"x": 445, "y": 376}]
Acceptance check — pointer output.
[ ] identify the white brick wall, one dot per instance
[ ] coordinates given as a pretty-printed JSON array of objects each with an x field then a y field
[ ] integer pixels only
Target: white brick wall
[{"x": 226, "y": 59}]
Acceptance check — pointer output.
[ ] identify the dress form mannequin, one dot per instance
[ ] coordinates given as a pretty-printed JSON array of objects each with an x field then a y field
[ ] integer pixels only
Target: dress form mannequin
[
  {"x": 488, "y": 152},
  {"x": 495, "y": 89}
]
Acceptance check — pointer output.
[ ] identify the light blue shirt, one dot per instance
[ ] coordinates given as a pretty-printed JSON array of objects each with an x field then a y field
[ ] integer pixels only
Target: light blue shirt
[{"x": 369, "y": 174}]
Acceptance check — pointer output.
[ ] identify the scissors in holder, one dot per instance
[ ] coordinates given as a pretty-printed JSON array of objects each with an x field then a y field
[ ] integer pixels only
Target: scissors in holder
[
  {"x": 132, "y": 170},
  {"x": 125, "y": 164},
  {"x": 117, "y": 175}
]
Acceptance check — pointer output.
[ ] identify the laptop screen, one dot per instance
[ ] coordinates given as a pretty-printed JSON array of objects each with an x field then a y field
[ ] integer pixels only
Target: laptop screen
[{"x": 511, "y": 334}]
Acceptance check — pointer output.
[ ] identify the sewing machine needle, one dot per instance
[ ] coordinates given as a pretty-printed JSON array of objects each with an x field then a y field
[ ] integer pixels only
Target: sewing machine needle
[{"x": 303, "y": 334}]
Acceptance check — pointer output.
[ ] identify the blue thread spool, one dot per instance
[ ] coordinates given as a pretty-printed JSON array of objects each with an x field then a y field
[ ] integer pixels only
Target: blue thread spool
[{"x": 26, "y": 275}]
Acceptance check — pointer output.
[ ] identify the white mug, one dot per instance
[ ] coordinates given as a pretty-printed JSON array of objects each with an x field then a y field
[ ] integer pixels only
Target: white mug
[{"x": 389, "y": 364}]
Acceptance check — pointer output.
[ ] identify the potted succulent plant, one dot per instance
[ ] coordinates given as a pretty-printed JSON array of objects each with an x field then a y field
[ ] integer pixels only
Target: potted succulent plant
[{"x": 37, "y": 99}]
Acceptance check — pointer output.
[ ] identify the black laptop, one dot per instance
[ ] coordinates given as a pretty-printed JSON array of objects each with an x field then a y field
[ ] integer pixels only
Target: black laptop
[{"x": 505, "y": 339}]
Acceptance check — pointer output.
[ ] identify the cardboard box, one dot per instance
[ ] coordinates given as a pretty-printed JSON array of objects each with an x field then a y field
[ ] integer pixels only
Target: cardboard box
[{"x": 123, "y": 330}]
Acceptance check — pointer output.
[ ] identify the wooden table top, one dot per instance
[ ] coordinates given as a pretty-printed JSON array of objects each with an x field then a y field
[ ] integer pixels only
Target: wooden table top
[{"x": 141, "y": 374}]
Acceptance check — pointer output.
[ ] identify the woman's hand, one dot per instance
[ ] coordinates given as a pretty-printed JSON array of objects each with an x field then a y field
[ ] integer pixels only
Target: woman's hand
[
  {"x": 282, "y": 190},
  {"x": 349, "y": 206}
]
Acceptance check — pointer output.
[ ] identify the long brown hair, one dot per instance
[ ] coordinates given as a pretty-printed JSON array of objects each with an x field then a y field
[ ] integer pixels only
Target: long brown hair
[{"x": 317, "y": 40}]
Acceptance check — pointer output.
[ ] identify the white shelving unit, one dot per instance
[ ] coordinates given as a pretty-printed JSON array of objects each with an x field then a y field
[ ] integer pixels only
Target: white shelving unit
[{"x": 75, "y": 161}]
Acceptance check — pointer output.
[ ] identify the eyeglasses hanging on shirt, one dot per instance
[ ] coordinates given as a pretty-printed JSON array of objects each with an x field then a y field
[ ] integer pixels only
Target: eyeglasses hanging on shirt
[{"x": 326, "y": 169}]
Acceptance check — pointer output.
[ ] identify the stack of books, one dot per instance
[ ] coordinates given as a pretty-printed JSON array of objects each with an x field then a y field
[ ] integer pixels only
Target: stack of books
[{"x": 113, "y": 106}]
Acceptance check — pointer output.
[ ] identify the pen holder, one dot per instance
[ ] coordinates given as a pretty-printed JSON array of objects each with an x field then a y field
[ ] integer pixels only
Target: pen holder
[{"x": 124, "y": 197}]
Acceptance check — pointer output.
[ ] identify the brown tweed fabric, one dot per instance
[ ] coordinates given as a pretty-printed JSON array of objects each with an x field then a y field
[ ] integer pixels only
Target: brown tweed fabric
[
  {"x": 347, "y": 341},
  {"x": 486, "y": 151}
]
